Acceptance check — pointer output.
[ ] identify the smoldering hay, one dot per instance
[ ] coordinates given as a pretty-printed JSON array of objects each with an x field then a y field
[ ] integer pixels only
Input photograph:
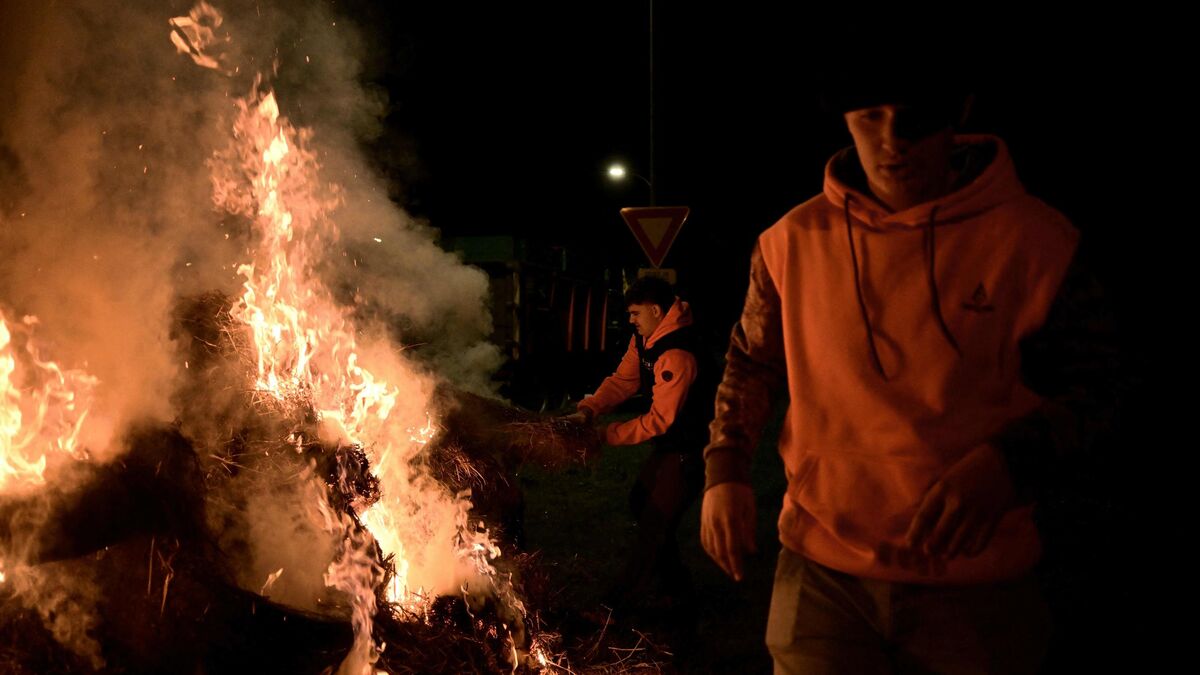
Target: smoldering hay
[{"x": 131, "y": 181}]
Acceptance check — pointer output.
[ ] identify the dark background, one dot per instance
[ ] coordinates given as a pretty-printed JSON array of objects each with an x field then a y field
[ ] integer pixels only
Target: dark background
[{"x": 503, "y": 119}]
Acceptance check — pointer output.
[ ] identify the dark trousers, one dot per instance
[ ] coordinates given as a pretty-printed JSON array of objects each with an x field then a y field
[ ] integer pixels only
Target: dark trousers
[
  {"x": 825, "y": 622},
  {"x": 667, "y": 485}
]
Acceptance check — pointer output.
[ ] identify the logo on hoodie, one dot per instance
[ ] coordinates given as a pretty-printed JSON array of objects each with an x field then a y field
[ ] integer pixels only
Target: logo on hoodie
[{"x": 979, "y": 301}]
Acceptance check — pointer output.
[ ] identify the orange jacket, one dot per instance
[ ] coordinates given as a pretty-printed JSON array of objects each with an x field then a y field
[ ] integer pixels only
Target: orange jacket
[
  {"x": 896, "y": 336},
  {"x": 674, "y": 373}
]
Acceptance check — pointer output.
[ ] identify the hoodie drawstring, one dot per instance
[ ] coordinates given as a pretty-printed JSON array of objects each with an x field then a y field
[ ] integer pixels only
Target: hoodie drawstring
[
  {"x": 862, "y": 305},
  {"x": 931, "y": 279},
  {"x": 930, "y": 254}
]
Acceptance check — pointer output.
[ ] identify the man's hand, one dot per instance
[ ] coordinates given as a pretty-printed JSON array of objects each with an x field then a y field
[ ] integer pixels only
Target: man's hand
[
  {"x": 581, "y": 416},
  {"x": 960, "y": 512},
  {"x": 601, "y": 432},
  {"x": 727, "y": 525}
]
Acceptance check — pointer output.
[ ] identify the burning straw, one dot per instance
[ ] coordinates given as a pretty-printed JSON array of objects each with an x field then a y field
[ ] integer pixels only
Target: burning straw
[{"x": 298, "y": 467}]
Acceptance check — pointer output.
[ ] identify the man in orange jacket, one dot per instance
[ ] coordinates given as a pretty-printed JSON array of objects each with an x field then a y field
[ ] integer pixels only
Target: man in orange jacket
[
  {"x": 666, "y": 364},
  {"x": 902, "y": 310}
]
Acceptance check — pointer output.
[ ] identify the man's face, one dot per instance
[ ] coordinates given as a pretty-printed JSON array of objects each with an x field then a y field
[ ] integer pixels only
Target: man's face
[
  {"x": 645, "y": 318},
  {"x": 904, "y": 152}
]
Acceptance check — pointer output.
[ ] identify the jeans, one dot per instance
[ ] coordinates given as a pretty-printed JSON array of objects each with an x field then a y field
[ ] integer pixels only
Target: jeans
[{"x": 825, "y": 621}]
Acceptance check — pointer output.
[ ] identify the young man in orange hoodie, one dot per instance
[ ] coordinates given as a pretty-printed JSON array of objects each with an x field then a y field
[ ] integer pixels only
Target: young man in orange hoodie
[
  {"x": 902, "y": 310},
  {"x": 667, "y": 365}
]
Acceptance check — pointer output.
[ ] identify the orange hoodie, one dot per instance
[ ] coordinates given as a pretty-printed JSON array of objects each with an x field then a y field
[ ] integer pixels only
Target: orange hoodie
[
  {"x": 674, "y": 373},
  {"x": 897, "y": 362}
]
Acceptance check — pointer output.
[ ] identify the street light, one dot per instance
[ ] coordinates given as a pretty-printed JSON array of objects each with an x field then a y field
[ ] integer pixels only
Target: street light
[{"x": 618, "y": 172}]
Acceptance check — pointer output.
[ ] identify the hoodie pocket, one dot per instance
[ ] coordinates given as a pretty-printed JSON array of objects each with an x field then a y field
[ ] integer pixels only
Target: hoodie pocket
[{"x": 860, "y": 499}]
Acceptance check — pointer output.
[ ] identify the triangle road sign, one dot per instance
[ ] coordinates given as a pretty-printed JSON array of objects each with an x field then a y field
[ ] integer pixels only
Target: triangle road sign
[{"x": 655, "y": 228}]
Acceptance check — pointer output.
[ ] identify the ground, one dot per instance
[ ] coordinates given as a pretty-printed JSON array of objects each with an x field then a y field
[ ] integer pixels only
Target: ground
[{"x": 578, "y": 521}]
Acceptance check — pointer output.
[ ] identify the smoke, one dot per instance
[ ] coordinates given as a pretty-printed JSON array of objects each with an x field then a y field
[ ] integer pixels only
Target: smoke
[
  {"x": 105, "y": 200},
  {"x": 106, "y": 211},
  {"x": 391, "y": 270},
  {"x": 64, "y": 598},
  {"x": 107, "y": 224}
]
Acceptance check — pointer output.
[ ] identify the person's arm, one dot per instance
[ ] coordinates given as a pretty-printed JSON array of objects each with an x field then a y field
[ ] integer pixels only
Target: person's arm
[
  {"x": 674, "y": 373},
  {"x": 615, "y": 388},
  {"x": 755, "y": 370},
  {"x": 1072, "y": 362}
]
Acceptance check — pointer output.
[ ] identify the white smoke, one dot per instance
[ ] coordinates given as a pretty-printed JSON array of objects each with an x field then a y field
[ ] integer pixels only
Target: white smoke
[
  {"x": 106, "y": 216},
  {"x": 105, "y": 201}
]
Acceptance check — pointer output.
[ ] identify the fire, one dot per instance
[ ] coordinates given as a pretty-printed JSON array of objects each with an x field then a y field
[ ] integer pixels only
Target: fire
[
  {"x": 310, "y": 361},
  {"x": 306, "y": 358},
  {"x": 307, "y": 362},
  {"x": 42, "y": 409}
]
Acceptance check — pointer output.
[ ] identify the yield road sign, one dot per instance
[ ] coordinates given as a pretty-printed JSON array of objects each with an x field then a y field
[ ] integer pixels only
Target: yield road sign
[{"x": 655, "y": 228}]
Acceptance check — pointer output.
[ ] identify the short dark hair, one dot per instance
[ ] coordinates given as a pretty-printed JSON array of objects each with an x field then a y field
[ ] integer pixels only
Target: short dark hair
[{"x": 650, "y": 290}]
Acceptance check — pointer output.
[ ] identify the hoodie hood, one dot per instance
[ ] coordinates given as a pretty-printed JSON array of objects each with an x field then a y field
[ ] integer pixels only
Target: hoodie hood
[
  {"x": 679, "y": 316},
  {"x": 987, "y": 179}
]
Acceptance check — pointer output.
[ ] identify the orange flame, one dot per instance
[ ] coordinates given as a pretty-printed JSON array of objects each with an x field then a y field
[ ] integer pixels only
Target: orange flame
[
  {"x": 42, "y": 409},
  {"x": 307, "y": 359}
]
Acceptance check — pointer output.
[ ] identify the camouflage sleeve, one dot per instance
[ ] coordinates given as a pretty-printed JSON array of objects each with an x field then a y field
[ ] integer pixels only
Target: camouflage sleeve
[
  {"x": 755, "y": 371},
  {"x": 1072, "y": 361}
]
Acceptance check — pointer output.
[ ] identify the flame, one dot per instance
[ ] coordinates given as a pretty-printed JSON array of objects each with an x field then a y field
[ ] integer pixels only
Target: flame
[
  {"x": 271, "y": 579},
  {"x": 308, "y": 362},
  {"x": 305, "y": 356},
  {"x": 43, "y": 408}
]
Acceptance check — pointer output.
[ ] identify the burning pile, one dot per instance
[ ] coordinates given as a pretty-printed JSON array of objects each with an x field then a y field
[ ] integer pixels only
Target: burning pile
[{"x": 309, "y": 475}]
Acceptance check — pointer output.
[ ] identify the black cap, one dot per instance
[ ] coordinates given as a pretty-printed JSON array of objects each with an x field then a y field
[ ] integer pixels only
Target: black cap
[{"x": 934, "y": 85}]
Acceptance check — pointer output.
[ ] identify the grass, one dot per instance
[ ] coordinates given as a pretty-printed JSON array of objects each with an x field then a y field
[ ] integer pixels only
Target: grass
[{"x": 579, "y": 523}]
